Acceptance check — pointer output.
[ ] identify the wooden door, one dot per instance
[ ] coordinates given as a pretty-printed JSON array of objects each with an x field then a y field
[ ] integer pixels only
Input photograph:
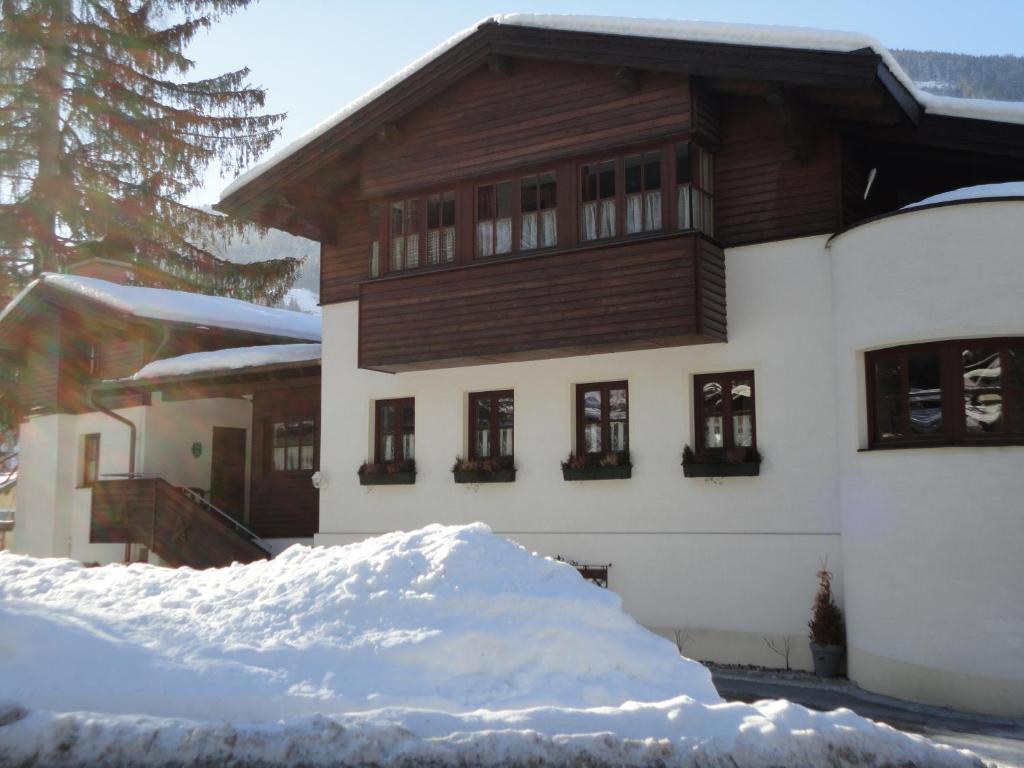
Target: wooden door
[{"x": 227, "y": 476}]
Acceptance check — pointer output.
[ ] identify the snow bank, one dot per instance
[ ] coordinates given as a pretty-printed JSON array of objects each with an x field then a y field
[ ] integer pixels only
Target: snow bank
[
  {"x": 978, "y": 192},
  {"x": 670, "y": 29},
  {"x": 236, "y": 359},
  {"x": 182, "y": 307},
  {"x": 446, "y": 646}
]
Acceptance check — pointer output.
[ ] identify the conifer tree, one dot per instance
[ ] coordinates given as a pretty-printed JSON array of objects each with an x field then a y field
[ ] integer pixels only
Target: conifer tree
[{"x": 102, "y": 134}]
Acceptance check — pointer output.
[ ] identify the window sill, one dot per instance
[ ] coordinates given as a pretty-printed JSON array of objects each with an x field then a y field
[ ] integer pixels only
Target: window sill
[
  {"x": 997, "y": 443},
  {"x": 388, "y": 478},
  {"x": 597, "y": 473},
  {"x": 740, "y": 469},
  {"x": 479, "y": 476}
]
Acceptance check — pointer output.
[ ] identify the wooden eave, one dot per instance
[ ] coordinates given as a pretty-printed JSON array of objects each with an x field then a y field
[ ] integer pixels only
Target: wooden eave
[{"x": 828, "y": 72}]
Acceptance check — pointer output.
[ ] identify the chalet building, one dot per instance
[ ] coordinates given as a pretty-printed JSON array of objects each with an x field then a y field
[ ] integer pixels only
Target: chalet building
[
  {"x": 569, "y": 250},
  {"x": 160, "y": 425}
]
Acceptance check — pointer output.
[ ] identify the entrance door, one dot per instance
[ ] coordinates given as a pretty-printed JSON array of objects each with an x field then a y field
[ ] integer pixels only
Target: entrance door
[{"x": 227, "y": 477}]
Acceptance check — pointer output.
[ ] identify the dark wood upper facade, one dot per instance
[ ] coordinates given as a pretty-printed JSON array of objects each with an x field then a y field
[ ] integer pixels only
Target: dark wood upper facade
[{"x": 792, "y": 136}]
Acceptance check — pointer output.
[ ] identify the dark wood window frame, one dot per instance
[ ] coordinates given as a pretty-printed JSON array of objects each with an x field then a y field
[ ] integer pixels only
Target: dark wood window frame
[
  {"x": 724, "y": 380},
  {"x": 495, "y": 448},
  {"x": 604, "y": 387},
  {"x": 400, "y": 430},
  {"x": 271, "y": 445},
  {"x": 381, "y": 230},
  {"x": 90, "y": 459},
  {"x": 697, "y": 173},
  {"x": 951, "y": 397}
]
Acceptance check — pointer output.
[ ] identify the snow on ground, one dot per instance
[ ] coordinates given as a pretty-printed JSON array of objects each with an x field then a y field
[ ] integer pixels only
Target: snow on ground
[
  {"x": 235, "y": 359},
  {"x": 181, "y": 307},
  {"x": 977, "y": 192},
  {"x": 443, "y": 646},
  {"x": 670, "y": 29}
]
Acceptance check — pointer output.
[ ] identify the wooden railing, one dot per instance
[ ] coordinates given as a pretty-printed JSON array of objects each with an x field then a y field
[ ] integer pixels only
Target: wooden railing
[{"x": 165, "y": 518}]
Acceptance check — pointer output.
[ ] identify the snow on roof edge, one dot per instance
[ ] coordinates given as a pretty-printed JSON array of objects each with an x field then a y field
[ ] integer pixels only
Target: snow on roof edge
[
  {"x": 226, "y": 360},
  {"x": 1003, "y": 190},
  {"x": 807, "y": 38}
]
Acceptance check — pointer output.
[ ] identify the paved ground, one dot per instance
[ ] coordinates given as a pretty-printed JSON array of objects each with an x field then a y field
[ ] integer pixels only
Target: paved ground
[{"x": 995, "y": 739}]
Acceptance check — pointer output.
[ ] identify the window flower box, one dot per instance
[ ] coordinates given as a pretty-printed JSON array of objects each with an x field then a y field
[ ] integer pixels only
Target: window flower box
[
  {"x": 738, "y": 462},
  {"x": 611, "y": 466},
  {"x": 500, "y": 470},
  {"x": 402, "y": 473}
]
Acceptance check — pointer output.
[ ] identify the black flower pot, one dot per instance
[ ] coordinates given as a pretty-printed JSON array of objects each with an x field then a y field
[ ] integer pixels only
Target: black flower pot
[
  {"x": 597, "y": 473},
  {"x": 827, "y": 659},
  {"x": 387, "y": 478},
  {"x": 479, "y": 476},
  {"x": 741, "y": 469}
]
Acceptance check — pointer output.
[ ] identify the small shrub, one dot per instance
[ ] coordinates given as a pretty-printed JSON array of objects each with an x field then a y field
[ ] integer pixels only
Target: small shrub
[{"x": 826, "y": 622}]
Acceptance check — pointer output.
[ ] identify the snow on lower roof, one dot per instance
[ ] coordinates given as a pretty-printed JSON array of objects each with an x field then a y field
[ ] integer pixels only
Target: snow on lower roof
[
  {"x": 977, "y": 192},
  {"x": 806, "y": 38},
  {"x": 444, "y": 646},
  {"x": 181, "y": 307},
  {"x": 228, "y": 360}
]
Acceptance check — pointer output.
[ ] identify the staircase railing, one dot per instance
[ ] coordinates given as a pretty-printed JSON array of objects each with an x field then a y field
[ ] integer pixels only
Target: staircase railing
[{"x": 200, "y": 499}]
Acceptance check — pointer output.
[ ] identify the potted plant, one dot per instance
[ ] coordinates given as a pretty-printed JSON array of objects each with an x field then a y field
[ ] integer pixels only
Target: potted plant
[
  {"x": 734, "y": 462},
  {"x": 391, "y": 473},
  {"x": 596, "y": 466},
  {"x": 828, "y": 634},
  {"x": 499, "y": 470}
]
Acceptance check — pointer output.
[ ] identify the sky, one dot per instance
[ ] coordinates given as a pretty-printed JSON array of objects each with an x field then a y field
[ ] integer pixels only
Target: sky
[{"x": 315, "y": 56}]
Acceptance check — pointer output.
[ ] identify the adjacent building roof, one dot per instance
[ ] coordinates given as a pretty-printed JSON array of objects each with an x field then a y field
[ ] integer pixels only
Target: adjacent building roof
[
  {"x": 162, "y": 305},
  {"x": 1009, "y": 189},
  {"x": 749, "y": 35}
]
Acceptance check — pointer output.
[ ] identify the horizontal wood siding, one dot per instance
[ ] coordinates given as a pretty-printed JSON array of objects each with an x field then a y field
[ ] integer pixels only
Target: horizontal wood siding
[
  {"x": 761, "y": 191},
  {"x": 540, "y": 112},
  {"x": 624, "y": 296},
  {"x": 711, "y": 290},
  {"x": 345, "y": 262},
  {"x": 40, "y": 371},
  {"x": 157, "y": 514},
  {"x": 283, "y": 504}
]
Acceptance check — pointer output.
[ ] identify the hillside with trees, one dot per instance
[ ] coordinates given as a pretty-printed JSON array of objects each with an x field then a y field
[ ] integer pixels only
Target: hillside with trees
[{"x": 964, "y": 75}]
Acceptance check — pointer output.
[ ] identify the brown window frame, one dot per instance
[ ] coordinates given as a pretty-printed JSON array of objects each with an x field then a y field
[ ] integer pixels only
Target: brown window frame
[
  {"x": 493, "y": 396},
  {"x": 382, "y": 231},
  {"x": 90, "y": 459},
  {"x": 605, "y": 387},
  {"x": 522, "y": 213},
  {"x": 949, "y": 354},
  {"x": 400, "y": 430},
  {"x": 700, "y": 178},
  {"x": 271, "y": 436},
  {"x": 728, "y": 437}
]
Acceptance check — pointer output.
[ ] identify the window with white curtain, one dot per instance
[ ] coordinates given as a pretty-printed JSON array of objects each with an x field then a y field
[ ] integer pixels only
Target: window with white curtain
[
  {"x": 598, "y": 217},
  {"x": 695, "y": 190},
  {"x": 494, "y": 219},
  {"x": 441, "y": 228},
  {"x": 405, "y": 235},
  {"x": 373, "y": 231},
  {"x": 643, "y": 192},
  {"x": 538, "y": 212}
]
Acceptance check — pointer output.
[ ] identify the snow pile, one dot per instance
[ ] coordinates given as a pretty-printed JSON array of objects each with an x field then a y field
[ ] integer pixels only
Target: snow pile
[
  {"x": 978, "y": 192},
  {"x": 224, "y": 360},
  {"x": 447, "y": 645},
  {"x": 669, "y": 29},
  {"x": 181, "y": 307}
]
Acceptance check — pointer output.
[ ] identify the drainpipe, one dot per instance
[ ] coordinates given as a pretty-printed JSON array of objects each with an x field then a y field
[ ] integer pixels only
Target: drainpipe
[{"x": 131, "y": 451}]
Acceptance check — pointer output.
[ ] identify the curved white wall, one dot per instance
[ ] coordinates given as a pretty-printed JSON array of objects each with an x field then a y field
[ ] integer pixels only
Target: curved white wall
[{"x": 932, "y": 538}]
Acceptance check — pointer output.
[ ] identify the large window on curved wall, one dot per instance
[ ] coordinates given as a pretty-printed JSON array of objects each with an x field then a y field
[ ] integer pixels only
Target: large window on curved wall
[{"x": 958, "y": 392}]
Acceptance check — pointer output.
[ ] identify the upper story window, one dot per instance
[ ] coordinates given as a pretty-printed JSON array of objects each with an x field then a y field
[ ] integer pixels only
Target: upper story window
[
  {"x": 405, "y": 235},
  {"x": 724, "y": 412},
  {"x": 293, "y": 444},
  {"x": 538, "y": 212},
  {"x": 598, "y": 216},
  {"x": 395, "y": 431},
  {"x": 695, "y": 188},
  {"x": 494, "y": 219},
  {"x": 947, "y": 393},
  {"x": 441, "y": 228},
  {"x": 373, "y": 232},
  {"x": 491, "y": 425},
  {"x": 420, "y": 232},
  {"x": 643, "y": 192},
  {"x": 602, "y": 418}
]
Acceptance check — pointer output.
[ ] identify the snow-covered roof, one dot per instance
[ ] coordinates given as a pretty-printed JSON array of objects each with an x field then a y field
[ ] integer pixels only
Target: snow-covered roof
[
  {"x": 978, "y": 192},
  {"x": 228, "y": 360},
  {"x": 805, "y": 38},
  {"x": 180, "y": 307}
]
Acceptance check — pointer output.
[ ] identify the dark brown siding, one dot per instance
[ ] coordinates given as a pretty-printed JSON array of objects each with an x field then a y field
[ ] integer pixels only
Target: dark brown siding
[
  {"x": 626, "y": 296},
  {"x": 345, "y": 263},
  {"x": 40, "y": 372},
  {"x": 762, "y": 192},
  {"x": 711, "y": 290},
  {"x": 283, "y": 504},
  {"x": 542, "y": 111},
  {"x": 119, "y": 351}
]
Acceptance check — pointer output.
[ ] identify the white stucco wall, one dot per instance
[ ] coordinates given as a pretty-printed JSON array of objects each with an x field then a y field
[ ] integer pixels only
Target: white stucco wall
[
  {"x": 931, "y": 537},
  {"x": 730, "y": 562}
]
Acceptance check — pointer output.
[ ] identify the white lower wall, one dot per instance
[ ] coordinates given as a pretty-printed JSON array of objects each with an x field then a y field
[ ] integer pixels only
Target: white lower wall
[
  {"x": 931, "y": 537},
  {"x": 737, "y": 557}
]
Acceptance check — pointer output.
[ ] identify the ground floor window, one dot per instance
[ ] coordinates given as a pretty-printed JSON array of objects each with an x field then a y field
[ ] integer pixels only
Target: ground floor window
[
  {"x": 90, "y": 459},
  {"x": 602, "y": 418},
  {"x": 293, "y": 445},
  {"x": 395, "y": 431},
  {"x": 491, "y": 425},
  {"x": 724, "y": 412}
]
